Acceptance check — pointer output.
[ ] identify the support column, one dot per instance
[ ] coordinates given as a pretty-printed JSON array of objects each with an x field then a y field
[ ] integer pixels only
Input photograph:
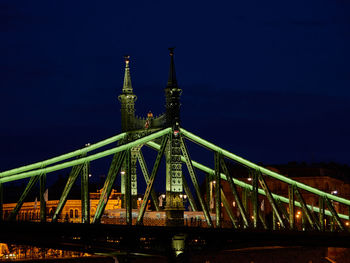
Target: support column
[
  {"x": 217, "y": 190},
  {"x": 42, "y": 198},
  {"x": 174, "y": 186},
  {"x": 291, "y": 206},
  {"x": 128, "y": 188},
  {"x": 85, "y": 199},
  {"x": 133, "y": 178}
]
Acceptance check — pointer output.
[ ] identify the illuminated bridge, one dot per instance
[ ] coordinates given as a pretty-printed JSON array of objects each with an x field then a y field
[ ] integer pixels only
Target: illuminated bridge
[{"x": 248, "y": 225}]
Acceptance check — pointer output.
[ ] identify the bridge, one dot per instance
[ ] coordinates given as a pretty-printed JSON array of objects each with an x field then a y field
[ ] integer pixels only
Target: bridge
[{"x": 249, "y": 224}]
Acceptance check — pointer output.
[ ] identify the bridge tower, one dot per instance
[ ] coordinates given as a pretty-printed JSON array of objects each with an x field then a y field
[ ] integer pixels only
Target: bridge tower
[
  {"x": 127, "y": 100},
  {"x": 174, "y": 203}
]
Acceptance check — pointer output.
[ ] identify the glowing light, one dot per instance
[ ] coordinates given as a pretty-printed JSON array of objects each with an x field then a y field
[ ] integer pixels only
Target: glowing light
[
  {"x": 90, "y": 175},
  {"x": 181, "y": 195},
  {"x": 163, "y": 195},
  {"x": 122, "y": 172},
  {"x": 185, "y": 196},
  {"x": 347, "y": 223},
  {"x": 139, "y": 199},
  {"x": 334, "y": 192},
  {"x": 299, "y": 213},
  {"x": 249, "y": 179}
]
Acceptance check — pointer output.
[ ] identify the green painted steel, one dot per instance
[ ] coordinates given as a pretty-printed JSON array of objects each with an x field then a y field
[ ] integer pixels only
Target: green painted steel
[
  {"x": 63, "y": 156},
  {"x": 245, "y": 185},
  {"x": 255, "y": 199},
  {"x": 114, "y": 169},
  {"x": 128, "y": 206},
  {"x": 309, "y": 215},
  {"x": 73, "y": 175},
  {"x": 25, "y": 193},
  {"x": 43, "y": 198},
  {"x": 291, "y": 206},
  {"x": 283, "y": 209},
  {"x": 189, "y": 194},
  {"x": 151, "y": 179},
  {"x": 86, "y": 159},
  {"x": 334, "y": 214},
  {"x": 275, "y": 175},
  {"x": 321, "y": 214},
  {"x": 217, "y": 188},
  {"x": 145, "y": 173},
  {"x": 235, "y": 194},
  {"x": 270, "y": 198},
  {"x": 187, "y": 159},
  {"x": 85, "y": 199},
  {"x": 228, "y": 209}
]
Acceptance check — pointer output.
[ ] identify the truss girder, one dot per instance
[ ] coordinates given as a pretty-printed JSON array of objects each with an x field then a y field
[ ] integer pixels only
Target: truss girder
[
  {"x": 114, "y": 169},
  {"x": 73, "y": 175},
  {"x": 217, "y": 187},
  {"x": 334, "y": 213},
  {"x": 228, "y": 209},
  {"x": 89, "y": 158},
  {"x": 42, "y": 198},
  {"x": 244, "y": 185},
  {"x": 309, "y": 214},
  {"x": 25, "y": 193},
  {"x": 189, "y": 194},
  {"x": 265, "y": 171},
  {"x": 186, "y": 158},
  {"x": 151, "y": 179}
]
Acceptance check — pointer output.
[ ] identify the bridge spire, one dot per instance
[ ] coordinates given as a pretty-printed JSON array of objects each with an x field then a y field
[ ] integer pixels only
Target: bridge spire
[
  {"x": 172, "y": 82},
  {"x": 127, "y": 87}
]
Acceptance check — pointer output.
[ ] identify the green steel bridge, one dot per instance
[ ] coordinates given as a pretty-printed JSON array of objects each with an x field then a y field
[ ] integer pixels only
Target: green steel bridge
[{"x": 169, "y": 139}]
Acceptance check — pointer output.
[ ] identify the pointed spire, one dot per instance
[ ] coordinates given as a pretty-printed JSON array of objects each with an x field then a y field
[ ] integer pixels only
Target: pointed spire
[
  {"x": 127, "y": 88},
  {"x": 172, "y": 83}
]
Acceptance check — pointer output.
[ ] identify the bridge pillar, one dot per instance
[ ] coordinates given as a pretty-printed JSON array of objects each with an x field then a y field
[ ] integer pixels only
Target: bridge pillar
[
  {"x": 174, "y": 208},
  {"x": 133, "y": 179}
]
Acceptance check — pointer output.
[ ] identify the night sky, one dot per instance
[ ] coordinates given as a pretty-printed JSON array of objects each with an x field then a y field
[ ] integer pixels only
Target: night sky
[{"x": 267, "y": 80}]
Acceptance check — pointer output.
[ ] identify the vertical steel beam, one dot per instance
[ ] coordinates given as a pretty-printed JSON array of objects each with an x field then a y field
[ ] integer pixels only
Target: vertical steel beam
[
  {"x": 85, "y": 199},
  {"x": 145, "y": 173},
  {"x": 195, "y": 182},
  {"x": 241, "y": 207},
  {"x": 228, "y": 209},
  {"x": 255, "y": 199},
  {"x": 33, "y": 180},
  {"x": 114, "y": 169},
  {"x": 291, "y": 206},
  {"x": 189, "y": 194},
  {"x": 1, "y": 201},
  {"x": 128, "y": 205},
  {"x": 306, "y": 212},
  {"x": 274, "y": 220},
  {"x": 73, "y": 175},
  {"x": 321, "y": 213},
  {"x": 151, "y": 180},
  {"x": 217, "y": 189},
  {"x": 270, "y": 198},
  {"x": 334, "y": 214},
  {"x": 42, "y": 198}
]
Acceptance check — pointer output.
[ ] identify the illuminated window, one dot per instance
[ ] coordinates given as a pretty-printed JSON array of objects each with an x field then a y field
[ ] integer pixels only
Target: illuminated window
[
  {"x": 71, "y": 213},
  {"x": 76, "y": 213}
]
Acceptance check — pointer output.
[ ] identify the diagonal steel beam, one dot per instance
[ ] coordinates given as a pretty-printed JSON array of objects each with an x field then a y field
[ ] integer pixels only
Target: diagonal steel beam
[
  {"x": 282, "y": 208},
  {"x": 73, "y": 175},
  {"x": 228, "y": 209},
  {"x": 291, "y": 206},
  {"x": 309, "y": 215},
  {"x": 128, "y": 206},
  {"x": 255, "y": 198},
  {"x": 193, "y": 176},
  {"x": 235, "y": 193},
  {"x": 189, "y": 194},
  {"x": 270, "y": 198},
  {"x": 145, "y": 173},
  {"x": 42, "y": 198},
  {"x": 25, "y": 193},
  {"x": 114, "y": 169},
  {"x": 151, "y": 180},
  {"x": 334, "y": 214}
]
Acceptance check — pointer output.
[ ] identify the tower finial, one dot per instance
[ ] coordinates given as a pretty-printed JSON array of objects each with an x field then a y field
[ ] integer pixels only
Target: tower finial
[
  {"x": 127, "y": 88},
  {"x": 172, "y": 82}
]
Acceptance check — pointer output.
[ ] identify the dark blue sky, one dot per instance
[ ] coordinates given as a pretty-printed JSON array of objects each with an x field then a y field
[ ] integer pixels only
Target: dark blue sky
[{"x": 267, "y": 80}]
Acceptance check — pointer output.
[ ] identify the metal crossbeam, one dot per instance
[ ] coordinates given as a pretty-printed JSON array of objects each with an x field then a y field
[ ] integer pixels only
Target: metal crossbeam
[
  {"x": 114, "y": 169},
  {"x": 145, "y": 173},
  {"x": 189, "y": 194},
  {"x": 73, "y": 175},
  {"x": 193, "y": 176},
  {"x": 151, "y": 180},
  {"x": 25, "y": 193},
  {"x": 228, "y": 209}
]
